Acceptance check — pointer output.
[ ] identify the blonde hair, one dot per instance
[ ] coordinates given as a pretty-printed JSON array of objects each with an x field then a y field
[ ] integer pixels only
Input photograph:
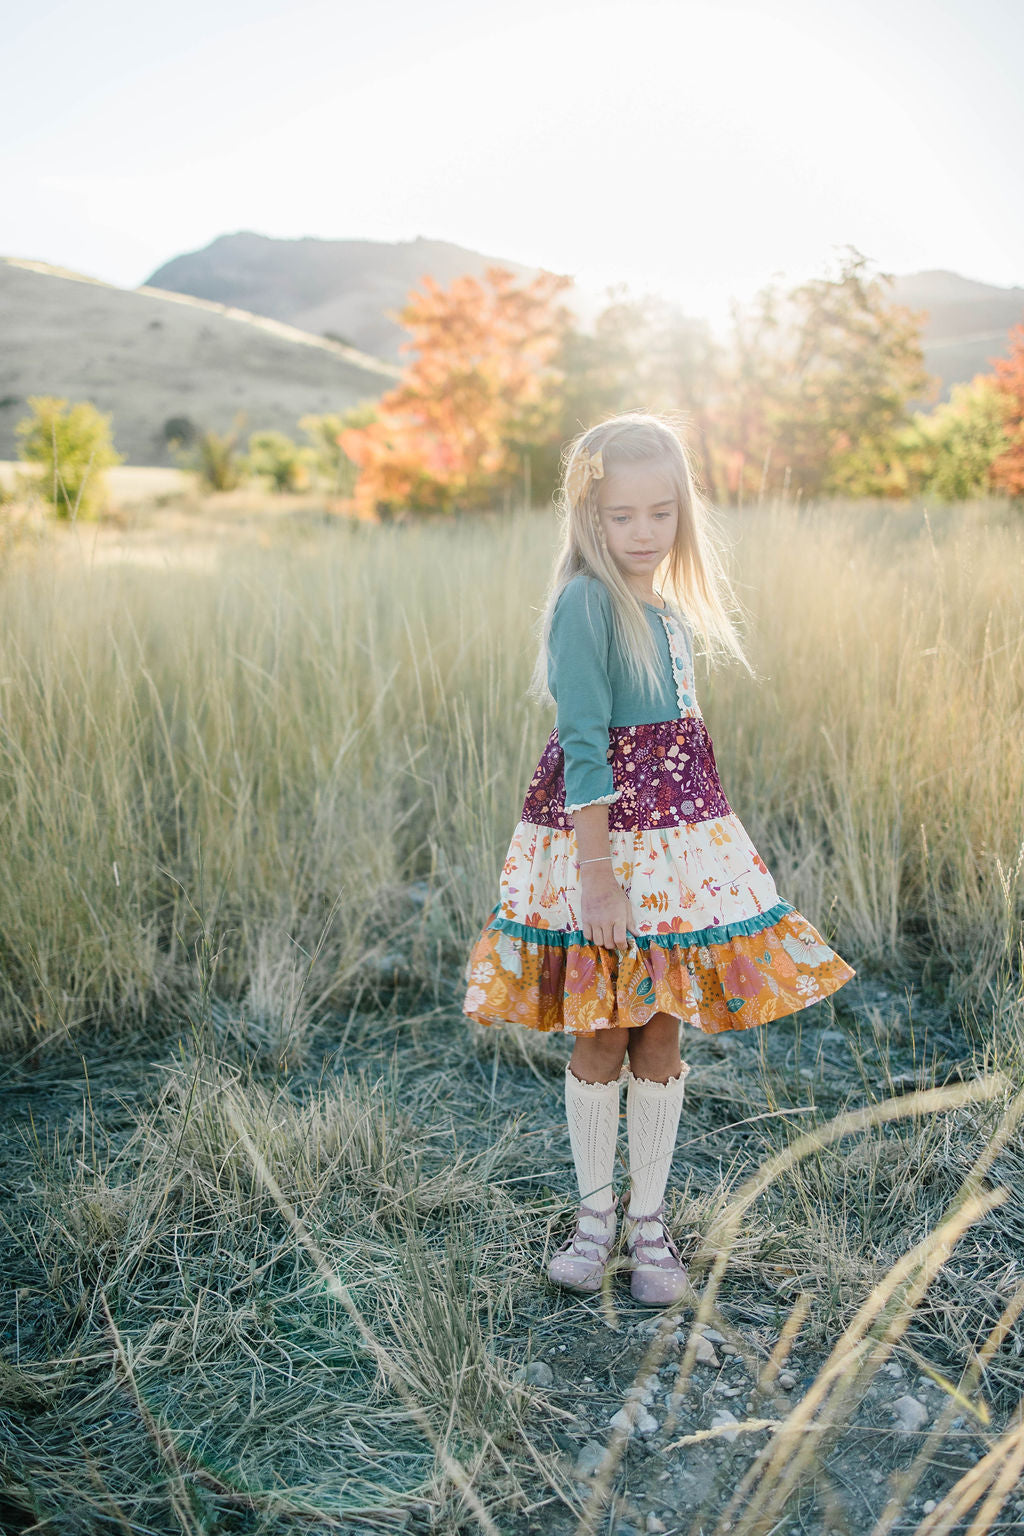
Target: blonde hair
[{"x": 693, "y": 577}]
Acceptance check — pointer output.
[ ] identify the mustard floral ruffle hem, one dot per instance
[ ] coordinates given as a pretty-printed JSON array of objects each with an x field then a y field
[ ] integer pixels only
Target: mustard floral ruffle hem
[{"x": 727, "y": 977}]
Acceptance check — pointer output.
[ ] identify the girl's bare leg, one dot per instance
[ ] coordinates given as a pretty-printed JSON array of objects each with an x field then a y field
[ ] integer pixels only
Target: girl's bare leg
[
  {"x": 654, "y": 1049},
  {"x": 598, "y": 1058}
]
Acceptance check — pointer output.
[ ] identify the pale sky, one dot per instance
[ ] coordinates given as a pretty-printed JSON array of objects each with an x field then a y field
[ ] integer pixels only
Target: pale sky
[{"x": 696, "y": 148}]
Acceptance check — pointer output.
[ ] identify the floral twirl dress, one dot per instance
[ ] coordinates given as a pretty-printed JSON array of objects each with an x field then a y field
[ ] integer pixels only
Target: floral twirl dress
[{"x": 709, "y": 939}]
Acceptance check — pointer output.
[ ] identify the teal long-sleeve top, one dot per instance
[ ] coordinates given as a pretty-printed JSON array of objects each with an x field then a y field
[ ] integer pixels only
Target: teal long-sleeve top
[{"x": 592, "y": 689}]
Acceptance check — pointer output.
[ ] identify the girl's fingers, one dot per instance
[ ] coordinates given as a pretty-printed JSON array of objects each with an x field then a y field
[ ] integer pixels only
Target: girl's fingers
[{"x": 608, "y": 935}]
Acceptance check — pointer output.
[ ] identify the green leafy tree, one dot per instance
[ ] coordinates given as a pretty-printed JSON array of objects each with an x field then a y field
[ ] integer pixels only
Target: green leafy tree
[
  {"x": 748, "y": 389},
  {"x": 280, "y": 460},
  {"x": 331, "y": 464},
  {"x": 819, "y": 386},
  {"x": 640, "y": 353},
  {"x": 950, "y": 452},
  {"x": 74, "y": 447}
]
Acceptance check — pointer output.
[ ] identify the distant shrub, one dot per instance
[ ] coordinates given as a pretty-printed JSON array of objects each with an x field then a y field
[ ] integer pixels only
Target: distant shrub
[
  {"x": 218, "y": 461},
  {"x": 74, "y": 447},
  {"x": 179, "y": 432},
  {"x": 213, "y": 457},
  {"x": 949, "y": 452},
  {"x": 279, "y": 460},
  {"x": 333, "y": 467},
  {"x": 968, "y": 436}
]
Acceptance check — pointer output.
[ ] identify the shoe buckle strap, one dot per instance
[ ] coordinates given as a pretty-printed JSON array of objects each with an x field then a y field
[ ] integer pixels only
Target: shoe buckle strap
[
  {"x": 599, "y": 1249},
  {"x": 669, "y": 1260},
  {"x": 640, "y": 1246},
  {"x": 600, "y": 1246},
  {"x": 586, "y": 1209}
]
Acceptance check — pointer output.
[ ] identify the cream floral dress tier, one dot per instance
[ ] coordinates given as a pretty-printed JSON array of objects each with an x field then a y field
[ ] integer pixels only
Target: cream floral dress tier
[{"x": 709, "y": 938}]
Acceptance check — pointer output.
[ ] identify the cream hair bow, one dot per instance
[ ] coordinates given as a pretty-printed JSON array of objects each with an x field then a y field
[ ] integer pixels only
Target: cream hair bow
[{"x": 585, "y": 468}]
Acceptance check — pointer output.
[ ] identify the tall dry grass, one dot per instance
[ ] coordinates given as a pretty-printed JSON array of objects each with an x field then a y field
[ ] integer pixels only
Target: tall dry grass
[
  {"x": 281, "y": 1277},
  {"x": 279, "y": 744}
]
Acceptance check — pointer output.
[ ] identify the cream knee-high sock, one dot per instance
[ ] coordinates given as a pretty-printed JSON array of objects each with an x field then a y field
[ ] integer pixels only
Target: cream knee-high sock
[
  {"x": 592, "y": 1111},
  {"x": 652, "y": 1119}
]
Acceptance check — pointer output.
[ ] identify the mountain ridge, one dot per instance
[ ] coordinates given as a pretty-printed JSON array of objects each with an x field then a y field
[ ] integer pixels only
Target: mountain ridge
[
  {"x": 154, "y": 354},
  {"x": 297, "y": 281},
  {"x": 347, "y": 288}
]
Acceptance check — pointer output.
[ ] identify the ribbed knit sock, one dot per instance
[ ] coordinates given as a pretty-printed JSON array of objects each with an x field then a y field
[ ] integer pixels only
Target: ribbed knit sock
[
  {"x": 592, "y": 1112},
  {"x": 652, "y": 1119}
]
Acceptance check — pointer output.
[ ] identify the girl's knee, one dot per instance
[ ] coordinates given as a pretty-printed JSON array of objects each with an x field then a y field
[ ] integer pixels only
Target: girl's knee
[
  {"x": 654, "y": 1048},
  {"x": 599, "y": 1056}
]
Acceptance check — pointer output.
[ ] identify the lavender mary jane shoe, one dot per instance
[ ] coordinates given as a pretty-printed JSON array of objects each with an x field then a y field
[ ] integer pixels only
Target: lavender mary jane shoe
[
  {"x": 659, "y": 1274},
  {"x": 580, "y": 1263}
]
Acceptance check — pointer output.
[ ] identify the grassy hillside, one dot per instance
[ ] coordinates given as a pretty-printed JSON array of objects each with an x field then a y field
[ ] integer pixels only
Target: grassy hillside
[{"x": 147, "y": 358}]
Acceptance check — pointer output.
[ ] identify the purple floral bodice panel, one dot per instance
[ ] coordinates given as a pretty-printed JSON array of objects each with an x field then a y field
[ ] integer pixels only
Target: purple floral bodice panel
[{"x": 666, "y": 772}]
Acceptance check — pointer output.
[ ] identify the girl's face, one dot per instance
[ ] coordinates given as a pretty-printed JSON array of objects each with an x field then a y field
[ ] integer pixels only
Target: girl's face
[{"x": 639, "y": 512}]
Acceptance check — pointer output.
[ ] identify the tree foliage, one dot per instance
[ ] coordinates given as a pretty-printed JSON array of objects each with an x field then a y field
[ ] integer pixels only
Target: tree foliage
[
  {"x": 331, "y": 465},
  {"x": 641, "y": 354},
  {"x": 949, "y": 453},
  {"x": 481, "y": 389},
  {"x": 215, "y": 458},
  {"x": 277, "y": 458},
  {"x": 73, "y": 445},
  {"x": 1008, "y": 467},
  {"x": 816, "y": 393},
  {"x": 818, "y": 385}
]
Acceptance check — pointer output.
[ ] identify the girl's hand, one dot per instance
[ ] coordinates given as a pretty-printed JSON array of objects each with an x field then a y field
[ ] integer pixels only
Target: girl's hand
[{"x": 605, "y": 908}]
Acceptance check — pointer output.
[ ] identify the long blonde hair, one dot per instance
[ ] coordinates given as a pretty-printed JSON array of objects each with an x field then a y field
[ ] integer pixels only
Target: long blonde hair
[{"x": 693, "y": 577}]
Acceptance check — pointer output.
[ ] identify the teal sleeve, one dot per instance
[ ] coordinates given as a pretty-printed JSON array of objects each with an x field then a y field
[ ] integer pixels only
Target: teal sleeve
[{"x": 579, "y": 645}]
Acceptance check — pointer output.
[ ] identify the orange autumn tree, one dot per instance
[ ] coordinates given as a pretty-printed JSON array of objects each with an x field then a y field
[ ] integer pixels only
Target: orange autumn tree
[
  {"x": 1007, "y": 470},
  {"x": 480, "y": 391}
]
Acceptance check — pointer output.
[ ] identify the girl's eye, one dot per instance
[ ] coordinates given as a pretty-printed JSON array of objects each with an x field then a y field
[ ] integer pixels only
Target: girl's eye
[{"x": 620, "y": 519}]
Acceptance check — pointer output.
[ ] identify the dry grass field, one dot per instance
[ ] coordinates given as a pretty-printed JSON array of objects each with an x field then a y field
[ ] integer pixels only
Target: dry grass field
[{"x": 274, "y": 1214}]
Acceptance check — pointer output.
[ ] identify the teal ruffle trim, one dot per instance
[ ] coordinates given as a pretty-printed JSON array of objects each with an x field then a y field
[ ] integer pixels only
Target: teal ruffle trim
[{"x": 560, "y": 938}]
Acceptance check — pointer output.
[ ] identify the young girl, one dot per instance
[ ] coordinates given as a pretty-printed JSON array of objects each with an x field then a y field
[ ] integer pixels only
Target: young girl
[{"x": 632, "y": 897}]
